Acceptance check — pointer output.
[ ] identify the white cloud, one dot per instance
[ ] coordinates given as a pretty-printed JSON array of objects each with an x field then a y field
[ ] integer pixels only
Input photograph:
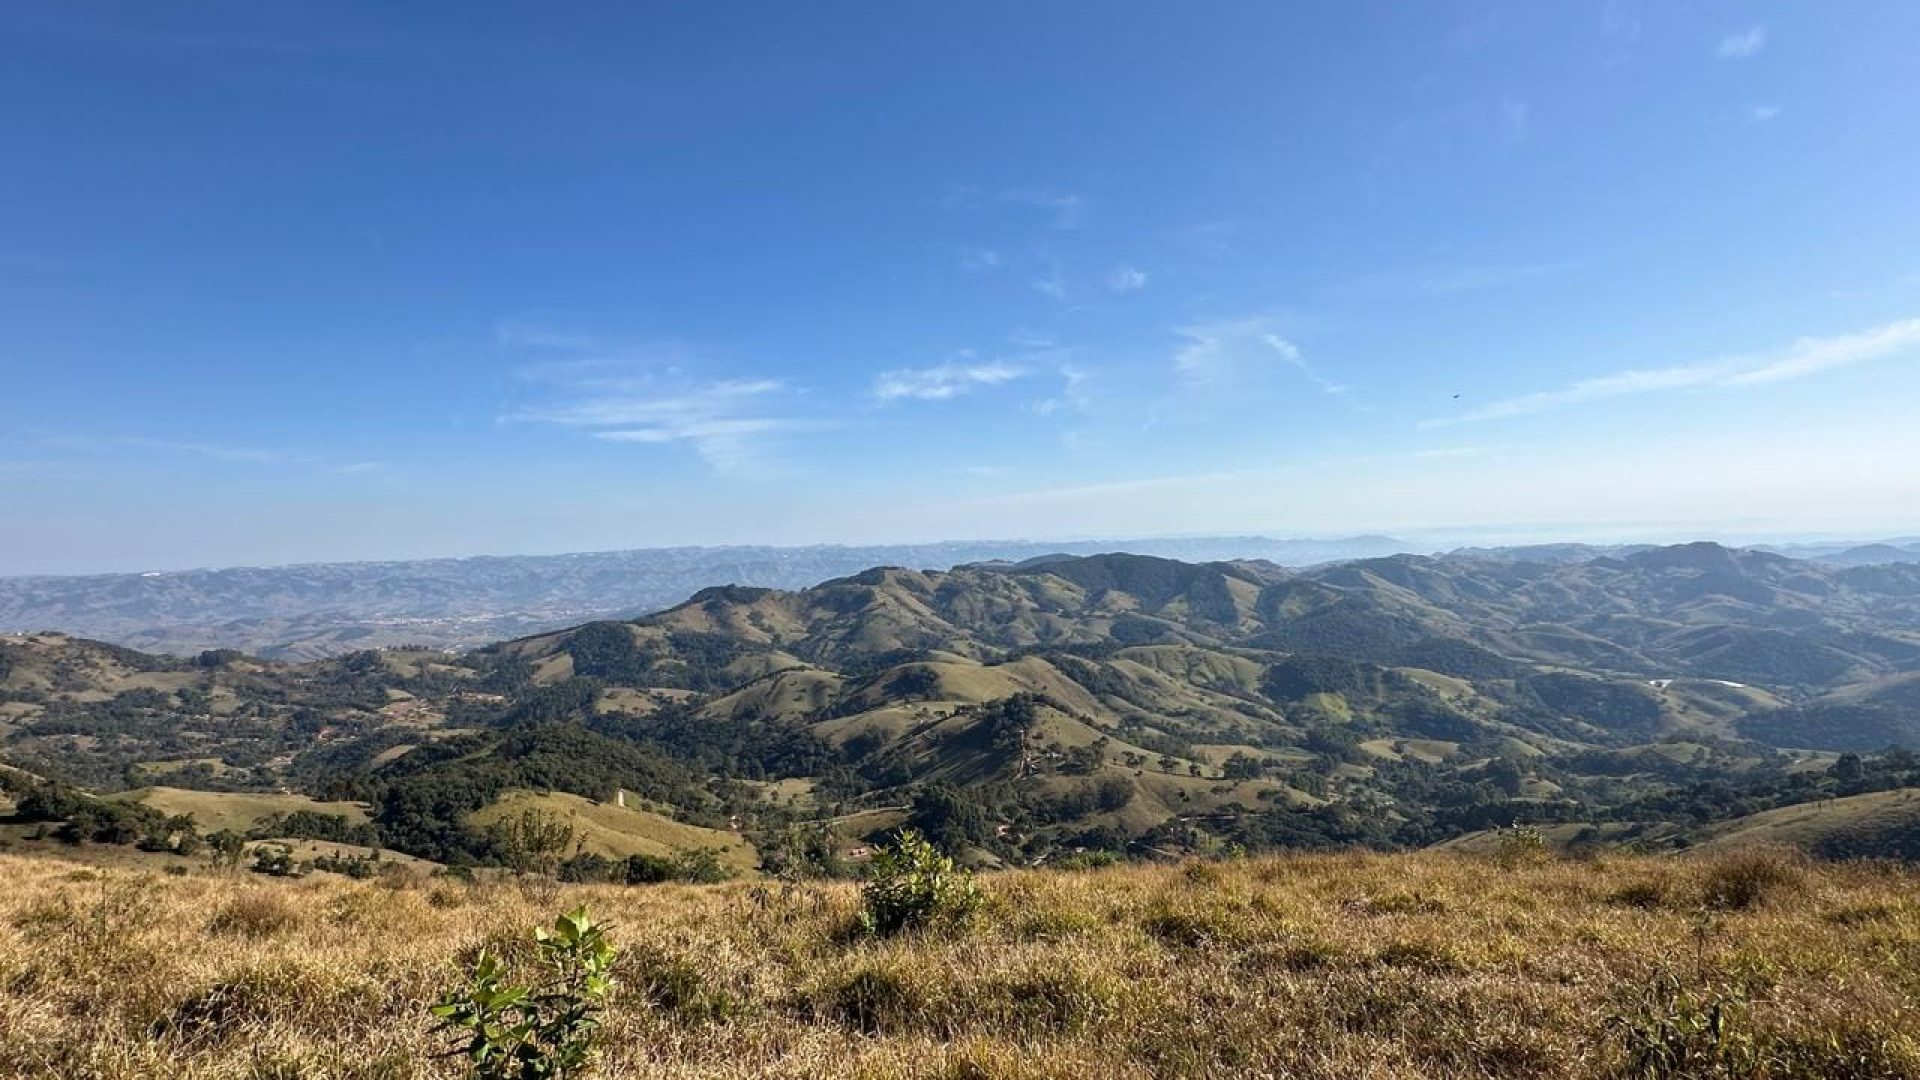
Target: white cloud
[
  {"x": 1053, "y": 285},
  {"x": 1125, "y": 279},
  {"x": 1810, "y": 356},
  {"x": 979, "y": 260},
  {"x": 1224, "y": 351},
  {"x": 149, "y": 448},
  {"x": 1073, "y": 396},
  {"x": 1209, "y": 354},
  {"x": 944, "y": 381},
  {"x": 1065, "y": 211},
  {"x": 526, "y": 334},
  {"x": 1760, "y": 114},
  {"x": 1616, "y": 21},
  {"x": 1746, "y": 43},
  {"x": 725, "y": 421},
  {"x": 1807, "y": 356},
  {"x": 239, "y": 454}
]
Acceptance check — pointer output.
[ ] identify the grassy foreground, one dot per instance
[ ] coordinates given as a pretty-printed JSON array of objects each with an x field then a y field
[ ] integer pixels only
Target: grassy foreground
[{"x": 1432, "y": 965}]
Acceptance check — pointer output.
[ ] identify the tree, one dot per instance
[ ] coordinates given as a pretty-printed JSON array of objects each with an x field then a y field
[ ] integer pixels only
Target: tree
[
  {"x": 532, "y": 842},
  {"x": 1849, "y": 771},
  {"x": 227, "y": 847},
  {"x": 275, "y": 860}
]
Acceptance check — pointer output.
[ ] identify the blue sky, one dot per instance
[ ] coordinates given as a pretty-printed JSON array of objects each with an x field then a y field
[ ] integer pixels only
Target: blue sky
[{"x": 286, "y": 282}]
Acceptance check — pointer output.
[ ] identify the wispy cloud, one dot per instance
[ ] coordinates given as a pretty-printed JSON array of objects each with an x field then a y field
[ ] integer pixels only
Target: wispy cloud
[
  {"x": 1760, "y": 114},
  {"x": 979, "y": 260},
  {"x": 1746, "y": 43},
  {"x": 1074, "y": 395},
  {"x": 1126, "y": 279},
  {"x": 1220, "y": 352},
  {"x": 1807, "y": 356},
  {"x": 1065, "y": 211},
  {"x": 1159, "y": 483},
  {"x": 726, "y": 421},
  {"x": 151, "y": 449},
  {"x": 1053, "y": 285},
  {"x": 1209, "y": 239},
  {"x": 534, "y": 334},
  {"x": 944, "y": 381},
  {"x": 1617, "y": 22},
  {"x": 249, "y": 455}
]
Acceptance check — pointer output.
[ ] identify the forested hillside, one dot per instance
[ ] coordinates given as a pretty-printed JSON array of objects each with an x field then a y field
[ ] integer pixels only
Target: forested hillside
[{"x": 1027, "y": 711}]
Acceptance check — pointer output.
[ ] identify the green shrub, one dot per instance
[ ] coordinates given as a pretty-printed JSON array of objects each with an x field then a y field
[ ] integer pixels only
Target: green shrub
[
  {"x": 275, "y": 860},
  {"x": 1520, "y": 845},
  {"x": 911, "y": 885},
  {"x": 540, "y": 1032},
  {"x": 697, "y": 866},
  {"x": 1096, "y": 859},
  {"x": 701, "y": 866}
]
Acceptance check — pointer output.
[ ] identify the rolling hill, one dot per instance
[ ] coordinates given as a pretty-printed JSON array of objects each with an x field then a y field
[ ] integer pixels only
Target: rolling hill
[
  {"x": 1018, "y": 710},
  {"x": 311, "y": 611}
]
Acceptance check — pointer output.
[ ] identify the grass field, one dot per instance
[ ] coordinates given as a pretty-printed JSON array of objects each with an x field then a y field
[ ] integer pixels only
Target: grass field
[
  {"x": 1804, "y": 824},
  {"x": 216, "y": 810},
  {"x": 617, "y": 831},
  {"x": 1349, "y": 966}
]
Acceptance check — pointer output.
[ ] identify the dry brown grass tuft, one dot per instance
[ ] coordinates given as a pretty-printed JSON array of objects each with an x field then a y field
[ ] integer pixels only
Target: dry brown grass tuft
[
  {"x": 1751, "y": 876},
  {"x": 1383, "y": 967},
  {"x": 258, "y": 912}
]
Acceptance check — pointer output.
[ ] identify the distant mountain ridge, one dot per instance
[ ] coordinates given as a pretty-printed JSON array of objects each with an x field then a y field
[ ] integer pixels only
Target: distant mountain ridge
[
  {"x": 318, "y": 610},
  {"x": 324, "y": 609}
]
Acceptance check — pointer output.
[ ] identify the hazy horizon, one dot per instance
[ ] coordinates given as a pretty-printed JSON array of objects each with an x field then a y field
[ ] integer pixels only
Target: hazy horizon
[{"x": 1423, "y": 541}]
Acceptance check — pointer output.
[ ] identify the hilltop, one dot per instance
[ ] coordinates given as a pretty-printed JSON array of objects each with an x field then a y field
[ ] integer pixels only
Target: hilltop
[
  {"x": 307, "y": 612},
  {"x": 1019, "y": 711}
]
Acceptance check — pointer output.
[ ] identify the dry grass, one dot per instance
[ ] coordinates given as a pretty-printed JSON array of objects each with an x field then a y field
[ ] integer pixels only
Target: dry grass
[{"x": 1353, "y": 966}]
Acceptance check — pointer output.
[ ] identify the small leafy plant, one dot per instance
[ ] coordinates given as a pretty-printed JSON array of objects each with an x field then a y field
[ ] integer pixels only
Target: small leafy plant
[
  {"x": 912, "y": 885},
  {"x": 540, "y": 1032},
  {"x": 1520, "y": 845},
  {"x": 1679, "y": 1032}
]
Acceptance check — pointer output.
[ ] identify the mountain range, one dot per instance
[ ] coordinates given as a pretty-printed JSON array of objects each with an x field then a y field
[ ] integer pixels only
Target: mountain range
[
  {"x": 324, "y": 609},
  {"x": 312, "y": 611},
  {"x": 1020, "y": 709}
]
